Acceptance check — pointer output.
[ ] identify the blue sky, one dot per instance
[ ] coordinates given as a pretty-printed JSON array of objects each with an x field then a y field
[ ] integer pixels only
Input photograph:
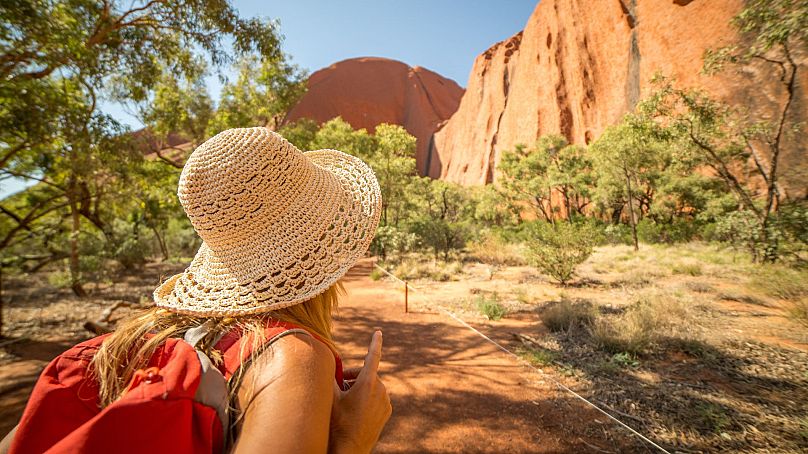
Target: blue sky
[{"x": 442, "y": 35}]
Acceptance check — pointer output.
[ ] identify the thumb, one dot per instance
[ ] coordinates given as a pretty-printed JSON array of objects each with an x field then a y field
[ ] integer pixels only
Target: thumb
[{"x": 374, "y": 355}]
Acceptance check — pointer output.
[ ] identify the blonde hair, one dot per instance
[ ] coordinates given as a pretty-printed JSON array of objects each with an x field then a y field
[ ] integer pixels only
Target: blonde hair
[{"x": 128, "y": 349}]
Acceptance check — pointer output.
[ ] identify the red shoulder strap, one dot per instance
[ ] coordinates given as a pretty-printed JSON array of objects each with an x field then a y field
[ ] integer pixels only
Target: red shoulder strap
[{"x": 233, "y": 357}]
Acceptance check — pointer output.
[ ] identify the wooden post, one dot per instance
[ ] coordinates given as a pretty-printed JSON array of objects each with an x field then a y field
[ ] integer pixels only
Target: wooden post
[{"x": 406, "y": 302}]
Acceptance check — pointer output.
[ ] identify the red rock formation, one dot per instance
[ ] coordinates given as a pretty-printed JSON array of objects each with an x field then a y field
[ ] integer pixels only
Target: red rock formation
[
  {"x": 366, "y": 92},
  {"x": 579, "y": 65}
]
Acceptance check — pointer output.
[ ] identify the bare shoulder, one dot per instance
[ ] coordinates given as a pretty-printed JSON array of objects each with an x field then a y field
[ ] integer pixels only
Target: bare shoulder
[{"x": 294, "y": 359}]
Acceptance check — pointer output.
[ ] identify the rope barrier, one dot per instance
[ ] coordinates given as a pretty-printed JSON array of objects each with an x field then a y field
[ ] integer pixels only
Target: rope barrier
[{"x": 531, "y": 366}]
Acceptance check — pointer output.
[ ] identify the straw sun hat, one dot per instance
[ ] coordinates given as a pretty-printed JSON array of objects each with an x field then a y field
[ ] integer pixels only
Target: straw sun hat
[{"x": 279, "y": 226}]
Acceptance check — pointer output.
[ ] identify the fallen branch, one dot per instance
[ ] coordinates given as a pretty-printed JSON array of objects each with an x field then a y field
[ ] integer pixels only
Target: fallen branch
[
  {"x": 97, "y": 328},
  {"x": 102, "y": 324},
  {"x": 108, "y": 311}
]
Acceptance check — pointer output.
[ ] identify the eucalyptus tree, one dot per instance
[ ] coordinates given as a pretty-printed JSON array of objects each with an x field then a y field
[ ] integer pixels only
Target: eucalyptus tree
[
  {"x": 775, "y": 33},
  {"x": 533, "y": 175},
  {"x": 60, "y": 59}
]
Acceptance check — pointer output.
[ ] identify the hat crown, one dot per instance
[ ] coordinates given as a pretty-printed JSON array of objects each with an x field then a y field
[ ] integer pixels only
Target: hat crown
[{"x": 237, "y": 178}]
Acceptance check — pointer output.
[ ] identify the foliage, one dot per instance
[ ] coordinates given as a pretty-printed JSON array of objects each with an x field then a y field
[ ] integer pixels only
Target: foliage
[
  {"x": 337, "y": 134},
  {"x": 262, "y": 94},
  {"x": 489, "y": 307},
  {"x": 558, "y": 249},
  {"x": 391, "y": 240},
  {"x": 300, "y": 133},
  {"x": 774, "y": 30},
  {"x": 442, "y": 214},
  {"x": 394, "y": 164},
  {"x": 676, "y": 230},
  {"x": 631, "y": 159},
  {"x": 58, "y": 60},
  {"x": 531, "y": 176}
]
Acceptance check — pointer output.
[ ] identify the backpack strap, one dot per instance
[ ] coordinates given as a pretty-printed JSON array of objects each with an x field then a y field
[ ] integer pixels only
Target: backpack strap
[{"x": 213, "y": 389}]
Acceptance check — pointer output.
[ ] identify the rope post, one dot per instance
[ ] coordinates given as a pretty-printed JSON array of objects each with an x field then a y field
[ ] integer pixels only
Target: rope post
[{"x": 406, "y": 298}]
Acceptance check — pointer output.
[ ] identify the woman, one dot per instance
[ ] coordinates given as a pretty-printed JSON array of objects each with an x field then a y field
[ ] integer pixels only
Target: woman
[{"x": 279, "y": 229}]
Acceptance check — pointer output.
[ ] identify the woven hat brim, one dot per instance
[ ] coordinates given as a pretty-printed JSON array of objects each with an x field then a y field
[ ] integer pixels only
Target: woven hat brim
[{"x": 207, "y": 287}]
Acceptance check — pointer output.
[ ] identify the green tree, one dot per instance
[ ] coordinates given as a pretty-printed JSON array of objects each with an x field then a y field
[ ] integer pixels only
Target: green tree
[
  {"x": 629, "y": 158},
  {"x": 394, "y": 165},
  {"x": 263, "y": 92},
  {"x": 773, "y": 31},
  {"x": 58, "y": 59},
  {"x": 717, "y": 137},
  {"x": 300, "y": 133},
  {"x": 533, "y": 176},
  {"x": 338, "y": 134},
  {"x": 443, "y": 217}
]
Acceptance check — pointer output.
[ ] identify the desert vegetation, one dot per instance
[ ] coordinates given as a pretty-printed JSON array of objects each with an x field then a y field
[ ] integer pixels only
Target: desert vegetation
[{"x": 662, "y": 267}]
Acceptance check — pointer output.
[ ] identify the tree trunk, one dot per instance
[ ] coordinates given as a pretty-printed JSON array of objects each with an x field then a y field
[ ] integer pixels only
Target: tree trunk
[
  {"x": 631, "y": 217},
  {"x": 75, "y": 270},
  {"x": 162, "y": 242}
]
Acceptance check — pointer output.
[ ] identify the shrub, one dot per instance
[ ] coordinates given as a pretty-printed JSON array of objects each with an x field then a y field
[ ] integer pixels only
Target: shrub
[
  {"x": 416, "y": 267},
  {"x": 376, "y": 274},
  {"x": 617, "y": 234},
  {"x": 181, "y": 239},
  {"x": 391, "y": 240},
  {"x": 677, "y": 231},
  {"x": 625, "y": 360},
  {"x": 60, "y": 279},
  {"x": 557, "y": 250},
  {"x": 537, "y": 356},
  {"x": 489, "y": 307},
  {"x": 130, "y": 253},
  {"x": 566, "y": 314}
]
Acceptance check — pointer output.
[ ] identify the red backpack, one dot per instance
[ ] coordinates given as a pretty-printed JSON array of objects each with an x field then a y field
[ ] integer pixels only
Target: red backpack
[{"x": 177, "y": 404}]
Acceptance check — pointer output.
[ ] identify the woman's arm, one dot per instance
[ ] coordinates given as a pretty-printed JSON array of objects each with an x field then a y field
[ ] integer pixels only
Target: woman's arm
[{"x": 287, "y": 396}]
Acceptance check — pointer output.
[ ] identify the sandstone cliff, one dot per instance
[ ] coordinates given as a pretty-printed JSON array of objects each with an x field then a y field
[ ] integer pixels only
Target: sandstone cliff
[
  {"x": 368, "y": 91},
  {"x": 579, "y": 65}
]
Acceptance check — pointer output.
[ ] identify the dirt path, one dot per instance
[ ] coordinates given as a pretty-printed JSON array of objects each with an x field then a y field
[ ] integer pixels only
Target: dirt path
[{"x": 452, "y": 391}]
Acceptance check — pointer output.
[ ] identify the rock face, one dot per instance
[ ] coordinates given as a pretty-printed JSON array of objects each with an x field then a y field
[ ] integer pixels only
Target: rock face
[
  {"x": 579, "y": 65},
  {"x": 366, "y": 92}
]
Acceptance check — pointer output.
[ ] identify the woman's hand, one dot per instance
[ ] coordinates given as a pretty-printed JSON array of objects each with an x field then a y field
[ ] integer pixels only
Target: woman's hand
[{"x": 359, "y": 414}]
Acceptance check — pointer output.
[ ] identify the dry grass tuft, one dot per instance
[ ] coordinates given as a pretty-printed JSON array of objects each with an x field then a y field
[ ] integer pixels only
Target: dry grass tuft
[
  {"x": 781, "y": 282},
  {"x": 690, "y": 269},
  {"x": 567, "y": 314},
  {"x": 493, "y": 251},
  {"x": 799, "y": 311},
  {"x": 654, "y": 316},
  {"x": 411, "y": 268}
]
